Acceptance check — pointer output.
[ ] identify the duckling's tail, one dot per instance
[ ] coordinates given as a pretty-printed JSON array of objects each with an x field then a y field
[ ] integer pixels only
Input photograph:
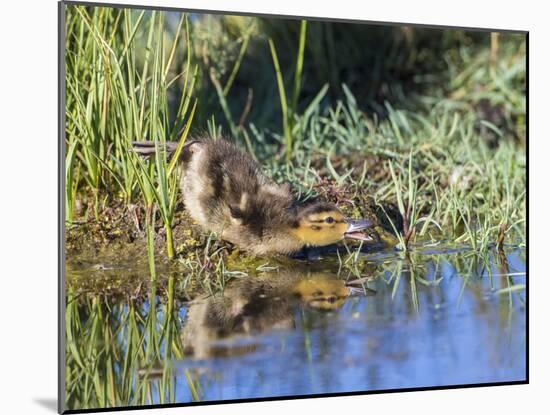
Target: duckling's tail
[{"x": 147, "y": 148}]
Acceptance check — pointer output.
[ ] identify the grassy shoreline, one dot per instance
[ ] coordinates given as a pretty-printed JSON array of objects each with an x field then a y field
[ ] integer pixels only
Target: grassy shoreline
[{"x": 449, "y": 156}]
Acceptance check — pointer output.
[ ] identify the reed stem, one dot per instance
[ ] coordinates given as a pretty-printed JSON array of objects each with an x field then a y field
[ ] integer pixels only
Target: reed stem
[
  {"x": 150, "y": 230},
  {"x": 169, "y": 241}
]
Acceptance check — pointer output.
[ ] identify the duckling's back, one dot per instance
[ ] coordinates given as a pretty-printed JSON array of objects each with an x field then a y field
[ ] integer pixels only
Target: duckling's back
[{"x": 226, "y": 192}]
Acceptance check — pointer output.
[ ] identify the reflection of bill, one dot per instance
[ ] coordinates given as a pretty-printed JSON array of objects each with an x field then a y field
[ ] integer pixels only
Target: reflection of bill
[{"x": 255, "y": 305}]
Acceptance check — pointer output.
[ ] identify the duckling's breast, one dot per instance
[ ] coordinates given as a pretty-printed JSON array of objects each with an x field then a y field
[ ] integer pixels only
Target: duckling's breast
[{"x": 194, "y": 185}]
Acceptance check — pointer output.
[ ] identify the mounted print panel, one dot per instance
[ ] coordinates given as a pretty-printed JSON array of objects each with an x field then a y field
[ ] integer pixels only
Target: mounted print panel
[{"x": 273, "y": 207}]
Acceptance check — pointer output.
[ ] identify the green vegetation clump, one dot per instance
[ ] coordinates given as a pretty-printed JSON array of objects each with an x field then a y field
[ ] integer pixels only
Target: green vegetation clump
[{"x": 423, "y": 129}]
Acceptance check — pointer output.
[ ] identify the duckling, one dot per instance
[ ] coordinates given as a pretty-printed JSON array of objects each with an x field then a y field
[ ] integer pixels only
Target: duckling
[{"x": 226, "y": 192}]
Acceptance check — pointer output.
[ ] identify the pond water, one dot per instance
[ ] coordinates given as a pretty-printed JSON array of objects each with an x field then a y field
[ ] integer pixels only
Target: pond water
[{"x": 434, "y": 318}]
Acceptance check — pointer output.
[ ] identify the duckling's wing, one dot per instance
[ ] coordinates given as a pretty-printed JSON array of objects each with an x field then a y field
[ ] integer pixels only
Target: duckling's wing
[{"x": 234, "y": 175}]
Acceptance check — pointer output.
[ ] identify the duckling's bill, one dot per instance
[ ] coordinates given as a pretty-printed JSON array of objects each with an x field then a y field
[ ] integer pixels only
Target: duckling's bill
[{"x": 356, "y": 228}]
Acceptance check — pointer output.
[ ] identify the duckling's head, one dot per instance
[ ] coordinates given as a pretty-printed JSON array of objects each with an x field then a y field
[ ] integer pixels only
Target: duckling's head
[{"x": 322, "y": 223}]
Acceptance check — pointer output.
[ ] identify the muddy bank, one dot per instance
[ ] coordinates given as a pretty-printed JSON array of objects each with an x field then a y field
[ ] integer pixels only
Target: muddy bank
[{"x": 117, "y": 233}]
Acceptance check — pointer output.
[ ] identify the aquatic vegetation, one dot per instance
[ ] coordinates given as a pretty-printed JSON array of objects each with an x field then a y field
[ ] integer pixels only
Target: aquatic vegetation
[{"x": 112, "y": 350}]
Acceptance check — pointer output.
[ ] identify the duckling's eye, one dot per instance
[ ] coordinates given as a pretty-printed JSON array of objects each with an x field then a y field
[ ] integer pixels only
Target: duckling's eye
[{"x": 330, "y": 219}]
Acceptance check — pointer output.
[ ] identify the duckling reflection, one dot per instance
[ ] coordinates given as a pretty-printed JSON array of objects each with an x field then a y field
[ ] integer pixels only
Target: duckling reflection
[{"x": 255, "y": 305}]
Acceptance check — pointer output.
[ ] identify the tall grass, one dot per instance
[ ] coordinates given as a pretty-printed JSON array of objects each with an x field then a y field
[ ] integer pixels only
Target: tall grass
[
  {"x": 289, "y": 113},
  {"x": 450, "y": 156},
  {"x": 117, "y": 100}
]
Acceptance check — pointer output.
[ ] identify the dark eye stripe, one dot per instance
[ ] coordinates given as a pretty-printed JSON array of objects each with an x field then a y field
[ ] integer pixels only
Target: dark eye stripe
[{"x": 325, "y": 220}]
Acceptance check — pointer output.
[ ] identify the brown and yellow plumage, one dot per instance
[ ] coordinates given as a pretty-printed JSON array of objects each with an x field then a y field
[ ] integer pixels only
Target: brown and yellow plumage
[{"x": 226, "y": 192}]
